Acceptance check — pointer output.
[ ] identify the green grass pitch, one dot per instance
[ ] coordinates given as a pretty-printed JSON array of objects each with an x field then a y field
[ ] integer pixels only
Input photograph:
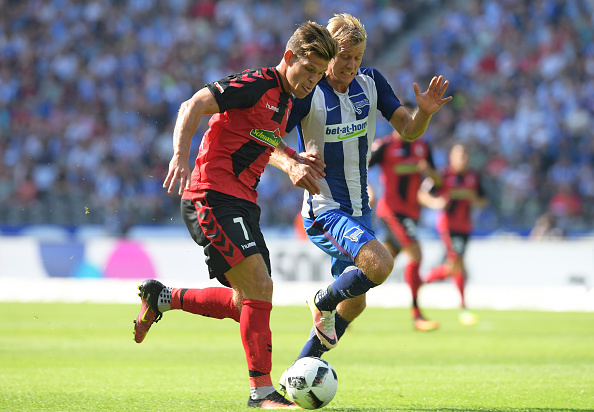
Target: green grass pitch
[{"x": 81, "y": 357}]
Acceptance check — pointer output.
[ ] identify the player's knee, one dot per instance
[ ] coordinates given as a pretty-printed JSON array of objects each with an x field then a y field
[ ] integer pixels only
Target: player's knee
[
  {"x": 385, "y": 265},
  {"x": 379, "y": 269},
  {"x": 375, "y": 261},
  {"x": 257, "y": 287},
  {"x": 263, "y": 286}
]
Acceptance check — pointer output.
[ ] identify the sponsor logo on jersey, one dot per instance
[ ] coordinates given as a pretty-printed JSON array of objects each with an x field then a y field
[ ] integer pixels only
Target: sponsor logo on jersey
[
  {"x": 266, "y": 136},
  {"x": 461, "y": 193},
  {"x": 346, "y": 131},
  {"x": 271, "y": 107},
  {"x": 406, "y": 168}
]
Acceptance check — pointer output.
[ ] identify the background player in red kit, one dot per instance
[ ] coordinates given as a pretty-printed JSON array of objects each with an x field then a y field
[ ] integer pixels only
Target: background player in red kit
[
  {"x": 250, "y": 112},
  {"x": 404, "y": 165},
  {"x": 460, "y": 190}
]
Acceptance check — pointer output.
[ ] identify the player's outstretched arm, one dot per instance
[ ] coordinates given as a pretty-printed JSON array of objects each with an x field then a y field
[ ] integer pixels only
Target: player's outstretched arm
[{"x": 188, "y": 118}]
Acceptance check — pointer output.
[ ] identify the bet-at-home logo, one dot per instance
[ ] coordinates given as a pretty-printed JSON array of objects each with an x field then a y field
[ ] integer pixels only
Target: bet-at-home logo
[
  {"x": 266, "y": 136},
  {"x": 345, "y": 131}
]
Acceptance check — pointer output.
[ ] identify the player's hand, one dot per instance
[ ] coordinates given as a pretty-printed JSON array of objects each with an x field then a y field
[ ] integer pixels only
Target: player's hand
[
  {"x": 312, "y": 159},
  {"x": 305, "y": 176},
  {"x": 431, "y": 100},
  {"x": 179, "y": 170}
]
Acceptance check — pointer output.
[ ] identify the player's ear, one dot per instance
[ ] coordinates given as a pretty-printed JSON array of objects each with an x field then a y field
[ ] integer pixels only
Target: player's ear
[{"x": 289, "y": 57}]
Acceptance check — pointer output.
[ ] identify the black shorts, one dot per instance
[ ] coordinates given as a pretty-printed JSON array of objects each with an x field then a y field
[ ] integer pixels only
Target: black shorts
[
  {"x": 228, "y": 228},
  {"x": 401, "y": 230}
]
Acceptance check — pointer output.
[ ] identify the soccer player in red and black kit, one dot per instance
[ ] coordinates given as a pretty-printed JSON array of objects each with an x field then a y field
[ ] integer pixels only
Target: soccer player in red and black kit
[
  {"x": 250, "y": 112},
  {"x": 404, "y": 165},
  {"x": 459, "y": 191}
]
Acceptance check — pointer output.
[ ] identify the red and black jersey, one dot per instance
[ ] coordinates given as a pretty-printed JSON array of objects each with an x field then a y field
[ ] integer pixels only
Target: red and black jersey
[
  {"x": 240, "y": 139},
  {"x": 400, "y": 176},
  {"x": 459, "y": 189}
]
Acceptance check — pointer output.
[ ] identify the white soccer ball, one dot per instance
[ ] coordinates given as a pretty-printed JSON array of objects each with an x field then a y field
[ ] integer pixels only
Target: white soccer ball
[{"x": 311, "y": 382}]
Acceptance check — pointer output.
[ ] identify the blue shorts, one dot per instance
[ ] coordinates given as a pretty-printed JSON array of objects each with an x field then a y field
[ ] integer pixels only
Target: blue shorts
[{"x": 340, "y": 235}]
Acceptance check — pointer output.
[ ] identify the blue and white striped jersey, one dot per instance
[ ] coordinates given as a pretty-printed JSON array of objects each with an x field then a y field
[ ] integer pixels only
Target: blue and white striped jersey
[{"x": 340, "y": 127}]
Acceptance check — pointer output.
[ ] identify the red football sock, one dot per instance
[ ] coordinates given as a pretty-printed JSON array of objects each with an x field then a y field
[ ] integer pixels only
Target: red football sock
[
  {"x": 210, "y": 302},
  {"x": 437, "y": 273},
  {"x": 412, "y": 278},
  {"x": 256, "y": 337},
  {"x": 460, "y": 281}
]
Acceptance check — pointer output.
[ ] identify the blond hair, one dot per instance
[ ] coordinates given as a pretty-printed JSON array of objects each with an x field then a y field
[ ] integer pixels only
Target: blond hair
[
  {"x": 313, "y": 38},
  {"x": 347, "y": 29}
]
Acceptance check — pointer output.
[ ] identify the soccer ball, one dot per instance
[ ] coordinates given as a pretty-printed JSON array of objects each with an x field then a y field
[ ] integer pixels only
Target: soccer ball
[{"x": 311, "y": 382}]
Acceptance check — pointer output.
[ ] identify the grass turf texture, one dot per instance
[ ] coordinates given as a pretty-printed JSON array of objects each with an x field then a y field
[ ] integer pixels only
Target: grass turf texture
[{"x": 81, "y": 357}]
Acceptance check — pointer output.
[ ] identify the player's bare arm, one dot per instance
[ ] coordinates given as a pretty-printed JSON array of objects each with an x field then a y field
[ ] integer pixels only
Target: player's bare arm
[
  {"x": 188, "y": 118},
  {"x": 303, "y": 168},
  {"x": 411, "y": 126},
  {"x": 429, "y": 200},
  {"x": 432, "y": 202}
]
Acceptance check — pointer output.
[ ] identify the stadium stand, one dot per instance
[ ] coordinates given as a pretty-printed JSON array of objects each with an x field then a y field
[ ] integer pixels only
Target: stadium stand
[{"x": 89, "y": 91}]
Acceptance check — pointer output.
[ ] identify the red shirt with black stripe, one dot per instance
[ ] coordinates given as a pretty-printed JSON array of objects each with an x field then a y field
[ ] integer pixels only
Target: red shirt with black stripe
[
  {"x": 240, "y": 139},
  {"x": 459, "y": 188},
  {"x": 401, "y": 176}
]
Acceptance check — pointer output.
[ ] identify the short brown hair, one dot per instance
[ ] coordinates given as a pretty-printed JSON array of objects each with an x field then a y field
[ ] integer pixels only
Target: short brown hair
[
  {"x": 347, "y": 29},
  {"x": 313, "y": 38}
]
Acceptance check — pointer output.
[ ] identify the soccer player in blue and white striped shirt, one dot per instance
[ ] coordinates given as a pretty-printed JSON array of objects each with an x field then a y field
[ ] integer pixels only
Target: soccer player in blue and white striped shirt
[{"x": 337, "y": 121}]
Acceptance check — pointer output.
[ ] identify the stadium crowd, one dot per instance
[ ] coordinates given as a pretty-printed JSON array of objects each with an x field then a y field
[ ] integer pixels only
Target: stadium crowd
[
  {"x": 522, "y": 73},
  {"x": 89, "y": 92}
]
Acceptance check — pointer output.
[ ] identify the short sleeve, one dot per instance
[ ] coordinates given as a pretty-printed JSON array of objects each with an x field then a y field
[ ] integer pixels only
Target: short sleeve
[
  {"x": 242, "y": 90},
  {"x": 387, "y": 102}
]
